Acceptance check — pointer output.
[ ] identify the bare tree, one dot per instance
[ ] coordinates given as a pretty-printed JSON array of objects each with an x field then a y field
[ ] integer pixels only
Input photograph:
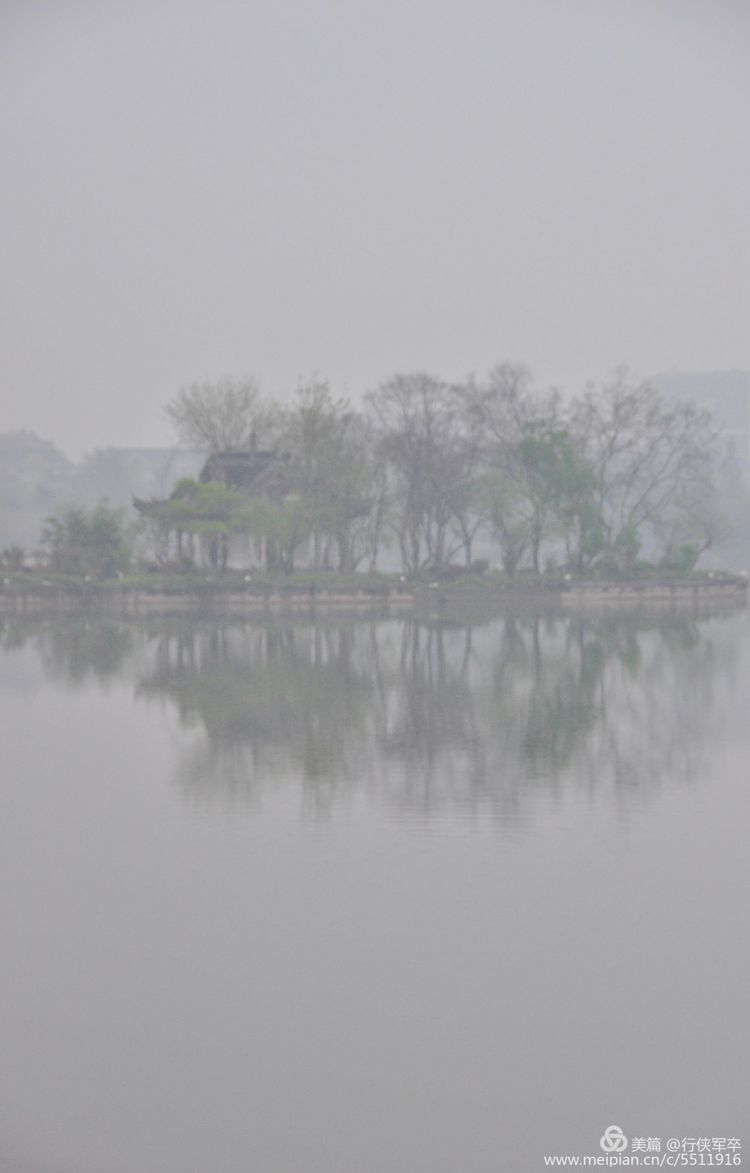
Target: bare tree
[
  {"x": 428, "y": 449},
  {"x": 227, "y": 416},
  {"x": 651, "y": 459},
  {"x": 698, "y": 522},
  {"x": 328, "y": 446},
  {"x": 372, "y": 527},
  {"x": 525, "y": 451}
]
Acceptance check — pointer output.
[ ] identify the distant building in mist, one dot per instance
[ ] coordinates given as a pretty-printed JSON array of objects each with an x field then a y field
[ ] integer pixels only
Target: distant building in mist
[
  {"x": 118, "y": 473},
  {"x": 726, "y": 394},
  {"x": 38, "y": 480}
]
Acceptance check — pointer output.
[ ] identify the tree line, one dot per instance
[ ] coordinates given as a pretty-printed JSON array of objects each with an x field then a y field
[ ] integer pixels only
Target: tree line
[
  {"x": 437, "y": 471},
  {"x": 602, "y": 698},
  {"x": 438, "y": 474}
]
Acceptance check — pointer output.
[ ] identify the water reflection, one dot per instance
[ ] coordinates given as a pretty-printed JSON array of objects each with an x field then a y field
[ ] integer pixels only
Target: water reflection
[
  {"x": 270, "y": 702},
  {"x": 75, "y": 650},
  {"x": 422, "y": 716},
  {"x": 610, "y": 705}
]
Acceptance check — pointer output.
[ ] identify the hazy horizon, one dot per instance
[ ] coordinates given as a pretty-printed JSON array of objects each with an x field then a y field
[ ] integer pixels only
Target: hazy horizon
[{"x": 196, "y": 190}]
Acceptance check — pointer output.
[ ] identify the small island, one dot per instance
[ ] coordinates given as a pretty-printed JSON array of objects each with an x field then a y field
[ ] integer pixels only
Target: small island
[{"x": 432, "y": 496}]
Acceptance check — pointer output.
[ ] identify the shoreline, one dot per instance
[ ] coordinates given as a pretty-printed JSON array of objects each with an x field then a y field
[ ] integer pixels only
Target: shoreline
[{"x": 433, "y": 598}]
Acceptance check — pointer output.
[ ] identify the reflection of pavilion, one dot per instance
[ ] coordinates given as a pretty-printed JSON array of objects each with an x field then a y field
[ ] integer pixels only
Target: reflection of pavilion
[{"x": 273, "y": 701}]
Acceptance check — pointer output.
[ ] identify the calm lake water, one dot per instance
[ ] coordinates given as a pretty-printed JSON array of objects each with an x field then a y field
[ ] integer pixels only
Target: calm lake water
[{"x": 371, "y": 896}]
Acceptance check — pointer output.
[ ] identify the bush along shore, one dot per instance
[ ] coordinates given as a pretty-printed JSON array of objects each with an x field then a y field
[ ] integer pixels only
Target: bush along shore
[{"x": 151, "y": 591}]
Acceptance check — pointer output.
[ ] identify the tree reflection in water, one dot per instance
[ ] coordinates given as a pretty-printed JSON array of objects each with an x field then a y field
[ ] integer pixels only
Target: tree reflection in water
[
  {"x": 77, "y": 649},
  {"x": 427, "y": 717},
  {"x": 273, "y": 701},
  {"x": 422, "y": 716}
]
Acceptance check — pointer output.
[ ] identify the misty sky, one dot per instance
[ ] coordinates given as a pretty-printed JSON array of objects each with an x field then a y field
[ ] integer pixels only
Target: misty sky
[{"x": 200, "y": 187}]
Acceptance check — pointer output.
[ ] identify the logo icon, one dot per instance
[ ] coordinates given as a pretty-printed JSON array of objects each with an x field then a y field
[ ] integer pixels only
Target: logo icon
[{"x": 614, "y": 1139}]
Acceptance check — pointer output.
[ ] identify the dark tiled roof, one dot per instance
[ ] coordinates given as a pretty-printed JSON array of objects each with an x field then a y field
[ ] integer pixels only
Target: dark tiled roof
[
  {"x": 251, "y": 472},
  {"x": 267, "y": 474}
]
